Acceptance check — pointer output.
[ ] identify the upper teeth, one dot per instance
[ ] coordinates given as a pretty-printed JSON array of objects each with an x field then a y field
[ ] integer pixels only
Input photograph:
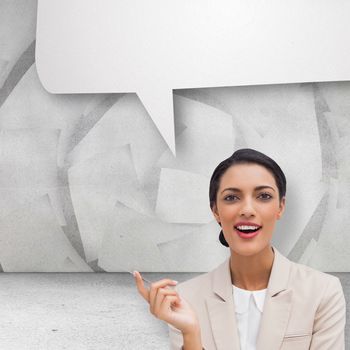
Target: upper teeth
[{"x": 243, "y": 227}]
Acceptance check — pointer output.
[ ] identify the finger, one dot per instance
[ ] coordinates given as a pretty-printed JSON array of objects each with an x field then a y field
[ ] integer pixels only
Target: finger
[
  {"x": 140, "y": 286},
  {"x": 161, "y": 294},
  {"x": 159, "y": 284},
  {"x": 166, "y": 308}
]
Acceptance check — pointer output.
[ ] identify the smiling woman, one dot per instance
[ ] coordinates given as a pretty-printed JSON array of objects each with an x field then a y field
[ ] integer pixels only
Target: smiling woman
[
  {"x": 258, "y": 201},
  {"x": 257, "y": 299}
]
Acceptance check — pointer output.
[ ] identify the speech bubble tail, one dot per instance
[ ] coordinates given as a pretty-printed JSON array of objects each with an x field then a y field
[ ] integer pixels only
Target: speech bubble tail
[{"x": 160, "y": 107}]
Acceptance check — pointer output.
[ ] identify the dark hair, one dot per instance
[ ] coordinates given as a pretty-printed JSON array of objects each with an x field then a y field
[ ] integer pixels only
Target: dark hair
[{"x": 245, "y": 156}]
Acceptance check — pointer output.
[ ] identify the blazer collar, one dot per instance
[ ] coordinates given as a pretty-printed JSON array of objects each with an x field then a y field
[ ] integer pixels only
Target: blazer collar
[
  {"x": 278, "y": 281},
  {"x": 276, "y": 311}
]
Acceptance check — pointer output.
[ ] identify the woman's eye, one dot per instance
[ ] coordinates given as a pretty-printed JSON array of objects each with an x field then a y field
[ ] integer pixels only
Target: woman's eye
[
  {"x": 265, "y": 196},
  {"x": 230, "y": 197}
]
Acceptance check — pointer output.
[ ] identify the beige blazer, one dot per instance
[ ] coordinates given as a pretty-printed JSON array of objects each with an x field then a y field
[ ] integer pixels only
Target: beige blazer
[{"x": 304, "y": 309}]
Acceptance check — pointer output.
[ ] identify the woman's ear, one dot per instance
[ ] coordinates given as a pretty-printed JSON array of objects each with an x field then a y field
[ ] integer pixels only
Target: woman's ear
[
  {"x": 281, "y": 208},
  {"x": 215, "y": 212}
]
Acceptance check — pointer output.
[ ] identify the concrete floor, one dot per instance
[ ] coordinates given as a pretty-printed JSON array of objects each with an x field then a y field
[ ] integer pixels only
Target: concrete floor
[{"x": 85, "y": 311}]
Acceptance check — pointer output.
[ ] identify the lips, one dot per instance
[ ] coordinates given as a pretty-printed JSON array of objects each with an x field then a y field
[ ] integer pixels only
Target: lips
[
  {"x": 247, "y": 223},
  {"x": 248, "y": 234},
  {"x": 247, "y": 229}
]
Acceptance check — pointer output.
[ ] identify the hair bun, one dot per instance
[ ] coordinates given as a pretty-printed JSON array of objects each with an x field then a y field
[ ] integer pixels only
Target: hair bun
[{"x": 222, "y": 239}]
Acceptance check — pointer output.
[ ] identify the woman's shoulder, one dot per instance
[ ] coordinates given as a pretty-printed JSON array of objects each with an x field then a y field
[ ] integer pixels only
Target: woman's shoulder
[
  {"x": 304, "y": 271},
  {"x": 306, "y": 277},
  {"x": 194, "y": 285},
  {"x": 200, "y": 286}
]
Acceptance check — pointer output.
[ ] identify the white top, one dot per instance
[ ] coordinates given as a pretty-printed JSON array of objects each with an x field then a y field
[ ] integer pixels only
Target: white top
[{"x": 249, "y": 307}]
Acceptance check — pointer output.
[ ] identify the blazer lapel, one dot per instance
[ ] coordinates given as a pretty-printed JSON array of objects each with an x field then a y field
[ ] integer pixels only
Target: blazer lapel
[
  {"x": 277, "y": 305},
  {"x": 222, "y": 311}
]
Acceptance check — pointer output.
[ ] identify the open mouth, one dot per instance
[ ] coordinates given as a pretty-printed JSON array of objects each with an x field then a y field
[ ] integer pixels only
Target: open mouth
[{"x": 247, "y": 230}]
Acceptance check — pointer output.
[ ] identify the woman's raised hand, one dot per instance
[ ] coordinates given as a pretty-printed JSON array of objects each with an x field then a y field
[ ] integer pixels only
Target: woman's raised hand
[{"x": 167, "y": 305}]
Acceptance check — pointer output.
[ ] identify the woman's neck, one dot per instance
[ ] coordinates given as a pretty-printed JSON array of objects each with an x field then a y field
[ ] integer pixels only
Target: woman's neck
[{"x": 252, "y": 272}]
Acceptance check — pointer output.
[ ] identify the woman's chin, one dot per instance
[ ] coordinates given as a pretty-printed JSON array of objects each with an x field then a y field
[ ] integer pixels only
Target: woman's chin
[{"x": 246, "y": 248}]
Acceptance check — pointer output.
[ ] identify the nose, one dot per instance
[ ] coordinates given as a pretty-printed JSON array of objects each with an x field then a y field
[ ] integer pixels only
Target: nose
[{"x": 247, "y": 208}]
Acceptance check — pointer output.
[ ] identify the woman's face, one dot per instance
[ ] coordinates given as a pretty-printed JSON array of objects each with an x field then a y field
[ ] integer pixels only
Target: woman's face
[{"x": 248, "y": 193}]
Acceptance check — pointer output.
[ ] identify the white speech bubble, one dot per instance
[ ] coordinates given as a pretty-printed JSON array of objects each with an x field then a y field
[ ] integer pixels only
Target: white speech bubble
[{"x": 154, "y": 46}]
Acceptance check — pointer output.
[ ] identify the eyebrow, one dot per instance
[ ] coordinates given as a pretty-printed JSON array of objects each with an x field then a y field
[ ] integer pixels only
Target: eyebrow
[{"x": 240, "y": 191}]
